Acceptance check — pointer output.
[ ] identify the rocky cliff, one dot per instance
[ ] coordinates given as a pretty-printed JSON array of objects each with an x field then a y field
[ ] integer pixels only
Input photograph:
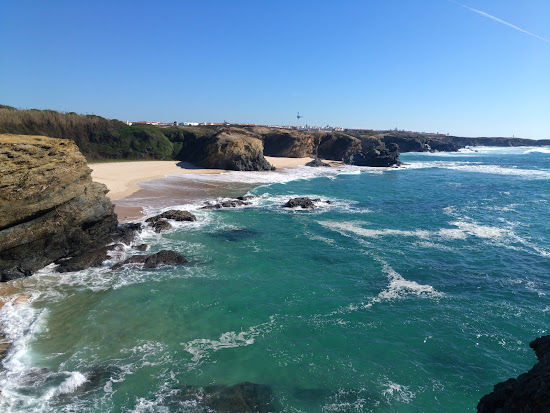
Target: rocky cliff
[
  {"x": 226, "y": 148},
  {"x": 49, "y": 207},
  {"x": 529, "y": 393},
  {"x": 335, "y": 146},
  {"x": 415, "y": 142},
  {"x": 235, "y": 150}
]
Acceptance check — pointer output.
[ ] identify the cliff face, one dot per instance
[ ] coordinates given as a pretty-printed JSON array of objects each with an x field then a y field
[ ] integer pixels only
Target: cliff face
[
  {"x": 228, "y": 148},
  {"x": 235, "y": 150},
  {"x": 49, "y": 207},
  {"x": 530, "y": 392},
  {"x": 293, "y": 144},
  {"x": 427, "y": 143}
]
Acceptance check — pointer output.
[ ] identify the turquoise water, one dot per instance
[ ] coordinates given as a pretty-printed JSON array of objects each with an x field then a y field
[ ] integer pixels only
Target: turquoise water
[{"x": 417, "y": 289}]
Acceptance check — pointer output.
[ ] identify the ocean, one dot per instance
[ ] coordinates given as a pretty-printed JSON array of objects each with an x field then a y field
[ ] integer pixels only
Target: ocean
[{"x": 416, "y": 289}]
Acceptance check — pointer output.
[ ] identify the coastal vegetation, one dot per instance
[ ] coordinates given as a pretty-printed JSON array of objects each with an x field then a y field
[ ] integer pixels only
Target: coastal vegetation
[{"x": 97, "y": 138}]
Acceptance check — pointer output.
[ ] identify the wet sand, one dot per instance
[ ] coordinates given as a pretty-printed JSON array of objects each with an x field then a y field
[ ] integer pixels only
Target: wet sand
[{"x": 156, "y": 189}]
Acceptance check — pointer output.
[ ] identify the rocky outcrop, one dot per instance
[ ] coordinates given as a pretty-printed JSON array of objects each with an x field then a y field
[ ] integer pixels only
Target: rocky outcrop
[
  {"x": 303, "y": 202},
  {"x": 296, "y": 144},
  {"x": 337, "y": 146},
  {"x": 161, "y": 225},
  {"x": 164, "y": 257},
  {"x": 160, "y": 222},
  {"x": 287, "y": 143},
  {"x": 231, "y": 203},
  {"x": 50, "y": 209},
  {"x": 380, "y": 156},
  {"x": 173, "y": 214},
  {"x": 529, "y": 393},
  {"x": 416, "y": 142},
  {"x": 229, "y": 148}
]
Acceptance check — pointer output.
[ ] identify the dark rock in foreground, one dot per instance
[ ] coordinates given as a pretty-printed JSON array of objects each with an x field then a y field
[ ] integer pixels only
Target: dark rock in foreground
[
  {"x": 317, "y": 162},
  {"x": 243, "y": 397},
  {"x": 380, "y": 156},
  {"x": 164, "y": 257},
  {"x": 529, "y": 393},
  {"x": 141, "y": 247},
  {"x": 91, "y": 258},
  {"x": 304, "y": 202},
  {"x": 161, "y": 225},
  {"x": 50, "y": 208}
]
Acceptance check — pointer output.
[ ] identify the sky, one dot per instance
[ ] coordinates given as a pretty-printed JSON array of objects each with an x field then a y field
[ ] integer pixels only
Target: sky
[{"x": 468, "y": 68}]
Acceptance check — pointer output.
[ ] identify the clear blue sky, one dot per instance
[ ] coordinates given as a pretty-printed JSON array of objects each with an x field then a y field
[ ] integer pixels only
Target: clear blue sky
[{"x": 425, "y": 65}]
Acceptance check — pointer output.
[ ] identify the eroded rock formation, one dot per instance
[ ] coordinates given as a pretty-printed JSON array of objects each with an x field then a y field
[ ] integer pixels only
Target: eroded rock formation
[
  {"x": 380, "y": 156},
  {"x": 50, "y": 209}
]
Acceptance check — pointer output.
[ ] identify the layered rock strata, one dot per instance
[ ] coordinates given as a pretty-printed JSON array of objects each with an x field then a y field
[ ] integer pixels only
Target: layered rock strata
[{"x": 50, "y": 209}]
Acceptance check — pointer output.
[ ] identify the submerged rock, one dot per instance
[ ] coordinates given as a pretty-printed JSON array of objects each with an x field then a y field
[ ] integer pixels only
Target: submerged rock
[
  {"x": 235, "y": 234},
  {"x": 529, "y": 392},
  {"x": 243, "y": 397},
  {"x": 164, "y": 257},
  {"x": 141, "y": 247},
  {"x": 317, "y": 162}
]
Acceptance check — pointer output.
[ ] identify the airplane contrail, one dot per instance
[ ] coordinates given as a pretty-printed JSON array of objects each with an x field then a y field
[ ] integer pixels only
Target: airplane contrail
[{"x": 500, "y": 21}]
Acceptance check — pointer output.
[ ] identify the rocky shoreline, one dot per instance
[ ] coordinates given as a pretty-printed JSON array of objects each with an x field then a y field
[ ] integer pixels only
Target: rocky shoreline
[{"x": 52, "y": 212}]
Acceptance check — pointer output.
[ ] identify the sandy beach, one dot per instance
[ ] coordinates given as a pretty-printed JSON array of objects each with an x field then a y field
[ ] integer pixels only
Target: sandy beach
[{"x": 122, "y": 178}]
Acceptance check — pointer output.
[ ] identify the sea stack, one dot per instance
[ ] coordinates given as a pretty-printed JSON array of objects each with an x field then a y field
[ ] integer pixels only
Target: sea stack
[{"x": 50, "y": 208}]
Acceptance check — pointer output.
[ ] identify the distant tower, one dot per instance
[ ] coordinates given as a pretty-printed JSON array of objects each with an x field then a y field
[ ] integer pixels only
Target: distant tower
[{"x": 298, "y": 122}]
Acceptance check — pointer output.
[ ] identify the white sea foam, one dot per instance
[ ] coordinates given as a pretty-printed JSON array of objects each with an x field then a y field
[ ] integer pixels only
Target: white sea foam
[
  {"x": 346, "y": 227},
  {"x": 478, "y": 167},
  {"x": 399, "y": 287},
  {"x": 470, "y": 151},
  {"x": 74, "y": 381},
  {"x": 462, "y": 231},
  {"x": 202, "y": 347},
  {"x": 398, "y": 392},
  {"x": 348, "y": 400},
  {"x": 280, "y": 176}
]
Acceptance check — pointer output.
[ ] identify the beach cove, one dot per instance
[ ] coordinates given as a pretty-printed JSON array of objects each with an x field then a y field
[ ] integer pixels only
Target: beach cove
[{"x": 399, "y": 294}]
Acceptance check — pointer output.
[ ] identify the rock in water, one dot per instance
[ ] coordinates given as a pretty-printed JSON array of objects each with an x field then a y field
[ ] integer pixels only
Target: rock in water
[
  {"x": 164, "y": 257},
  {"x": 530, "y": 392},
  {"x": 304, "y": 202},
  {"x": 317, "y": 162},
  {"x": 161, "y": 225},
  {"x": 173, "y": 214},
  {"x": 232, "y": 203},
  {"x": 49, "y": 206}
]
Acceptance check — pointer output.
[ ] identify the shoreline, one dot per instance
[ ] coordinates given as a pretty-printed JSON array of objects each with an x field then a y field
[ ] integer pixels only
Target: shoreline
[{"x": 123, "y": 178}]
